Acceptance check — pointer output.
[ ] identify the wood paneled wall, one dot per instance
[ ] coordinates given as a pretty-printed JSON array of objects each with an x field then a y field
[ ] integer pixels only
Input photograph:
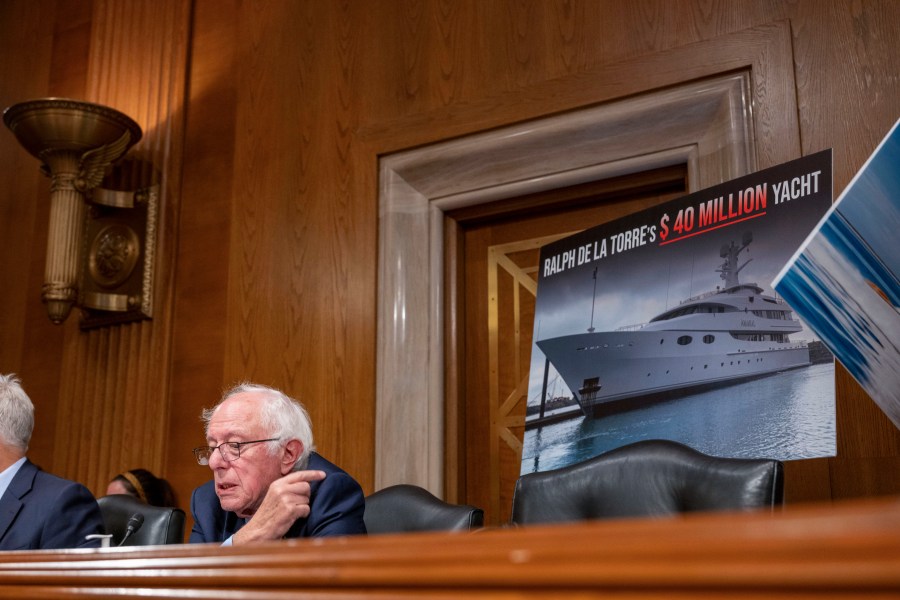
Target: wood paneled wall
[
  {"x": 269, "y": 250},
  {"x": 101, "y": 395}
]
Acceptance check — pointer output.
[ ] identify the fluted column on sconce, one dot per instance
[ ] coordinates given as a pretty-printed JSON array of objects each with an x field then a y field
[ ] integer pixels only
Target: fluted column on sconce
[{"x": 67, "y": 207}]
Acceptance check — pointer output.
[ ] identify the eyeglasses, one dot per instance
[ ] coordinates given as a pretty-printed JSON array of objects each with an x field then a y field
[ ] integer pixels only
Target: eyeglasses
[{"x": 229, "y": 450}]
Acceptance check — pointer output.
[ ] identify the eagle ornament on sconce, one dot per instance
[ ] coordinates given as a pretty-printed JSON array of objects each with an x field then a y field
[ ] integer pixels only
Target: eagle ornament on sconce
[{"x": 103, "y": 209}]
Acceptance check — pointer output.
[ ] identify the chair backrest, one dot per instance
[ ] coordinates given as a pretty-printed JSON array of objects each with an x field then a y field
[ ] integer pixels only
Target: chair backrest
[
  {"x": 161, "y": 525},
  {"x": 407, "y": 508},
  {"x": 647, "y": 478}
]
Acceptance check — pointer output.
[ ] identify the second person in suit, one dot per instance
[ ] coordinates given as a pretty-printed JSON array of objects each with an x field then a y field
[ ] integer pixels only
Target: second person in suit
[{"x": 38, "y": 511}]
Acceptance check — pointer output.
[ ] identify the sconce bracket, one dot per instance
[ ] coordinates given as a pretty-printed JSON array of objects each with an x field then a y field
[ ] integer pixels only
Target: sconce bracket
[{"x": 116, "y": 281}]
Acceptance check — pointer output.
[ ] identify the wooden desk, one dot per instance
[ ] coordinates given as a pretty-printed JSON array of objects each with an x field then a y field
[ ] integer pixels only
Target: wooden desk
[{"x": 850, "y": 550}]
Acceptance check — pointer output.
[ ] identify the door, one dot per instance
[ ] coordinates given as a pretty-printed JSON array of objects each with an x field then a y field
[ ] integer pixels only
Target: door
[{"x": 492, "y": 283}]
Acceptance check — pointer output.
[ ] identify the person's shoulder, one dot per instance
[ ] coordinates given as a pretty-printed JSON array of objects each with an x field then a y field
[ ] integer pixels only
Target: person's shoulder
[
  {"x": 53, "y": 489},
  {"x": 317, "y": 462},
  {"x": 204, "y": 502},
  {"x": 205, "y": 490},
  {"x": 49, "y": 480},
  {"x": 336, "y": 478}
]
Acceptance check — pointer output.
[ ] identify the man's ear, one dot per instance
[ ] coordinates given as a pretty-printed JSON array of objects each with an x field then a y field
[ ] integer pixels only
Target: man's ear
[{"x": 292, "y": 451}]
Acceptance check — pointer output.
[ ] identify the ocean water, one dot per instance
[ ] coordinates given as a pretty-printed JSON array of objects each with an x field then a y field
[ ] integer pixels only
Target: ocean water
[{"x": 786, "y": 416}]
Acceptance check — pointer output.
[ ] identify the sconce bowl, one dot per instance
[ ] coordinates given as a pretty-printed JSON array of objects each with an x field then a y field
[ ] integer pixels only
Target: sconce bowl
[{"x": 61, "y": 124}]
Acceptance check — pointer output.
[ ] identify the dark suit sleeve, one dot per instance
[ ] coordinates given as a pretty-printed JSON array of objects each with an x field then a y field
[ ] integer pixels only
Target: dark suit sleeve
[
  {"x": 337, "y": 508},
  {"x": 76, "y": 516}
]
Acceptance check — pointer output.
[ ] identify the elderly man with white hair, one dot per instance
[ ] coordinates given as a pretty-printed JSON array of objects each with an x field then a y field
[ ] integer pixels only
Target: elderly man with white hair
[{"x": 268, "y": 481}]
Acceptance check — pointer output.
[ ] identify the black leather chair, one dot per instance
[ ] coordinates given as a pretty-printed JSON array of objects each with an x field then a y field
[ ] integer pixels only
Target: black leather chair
[
  {"x": 407, "y": 508},
  {"x": 644, "y": 479},
  {"x": 161, "y": 525}
]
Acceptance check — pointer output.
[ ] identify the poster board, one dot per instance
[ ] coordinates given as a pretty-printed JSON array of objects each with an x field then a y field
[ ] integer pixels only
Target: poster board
[
  {"x": 662, "y": 325},
  {"x": 843, "y": 280}
]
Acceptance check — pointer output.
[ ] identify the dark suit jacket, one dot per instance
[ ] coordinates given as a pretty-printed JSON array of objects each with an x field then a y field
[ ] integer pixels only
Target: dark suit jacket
[
  {"x": 42, "y": 511},
  {"x": 336, "y": 503}
]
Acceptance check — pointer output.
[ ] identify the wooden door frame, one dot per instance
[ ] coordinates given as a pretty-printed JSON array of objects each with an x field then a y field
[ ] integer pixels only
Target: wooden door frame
[
  {"x": 485, "y": 417},
  {"x": 725, "y": 107}
]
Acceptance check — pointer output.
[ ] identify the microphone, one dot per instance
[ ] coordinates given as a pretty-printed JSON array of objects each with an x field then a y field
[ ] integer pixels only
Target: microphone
[{"x": 134, "y": 523}]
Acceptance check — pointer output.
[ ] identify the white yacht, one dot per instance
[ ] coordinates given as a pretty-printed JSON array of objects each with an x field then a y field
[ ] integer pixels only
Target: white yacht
[{"x": 733, "y": 333}]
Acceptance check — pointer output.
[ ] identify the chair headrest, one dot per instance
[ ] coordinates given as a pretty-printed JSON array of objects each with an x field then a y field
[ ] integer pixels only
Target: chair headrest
[
  {"x": 408, "y": 508},
  {"x": 161, "y": 525},
  {"x": 647, "y": 478}
]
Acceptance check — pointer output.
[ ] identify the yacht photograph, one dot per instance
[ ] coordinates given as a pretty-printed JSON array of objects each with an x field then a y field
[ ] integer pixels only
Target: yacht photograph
[{"x": 681, "y": 338}]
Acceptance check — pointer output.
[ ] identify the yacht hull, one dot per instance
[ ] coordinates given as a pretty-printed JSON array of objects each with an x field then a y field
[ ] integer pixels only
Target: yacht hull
[{"x": 608, "y": 371}]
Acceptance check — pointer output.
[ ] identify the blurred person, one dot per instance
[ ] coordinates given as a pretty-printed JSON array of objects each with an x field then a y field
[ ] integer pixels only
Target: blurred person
[
  {"x": 143, "y": 485},
  {"x": 268, "y": 481},
  {"x": 37, "y": 510}
]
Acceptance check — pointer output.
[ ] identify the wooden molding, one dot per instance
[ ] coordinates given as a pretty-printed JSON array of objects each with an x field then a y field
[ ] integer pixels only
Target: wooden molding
[{"x": 723, "y": 107}]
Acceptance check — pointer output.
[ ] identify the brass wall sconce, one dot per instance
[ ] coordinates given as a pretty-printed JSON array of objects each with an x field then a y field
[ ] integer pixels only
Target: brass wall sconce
[{"x": 103, "y": 209}]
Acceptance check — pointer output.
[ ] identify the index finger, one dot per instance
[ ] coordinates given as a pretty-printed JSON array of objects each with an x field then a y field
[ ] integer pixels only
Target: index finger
[{"x": 298, "y": 476}]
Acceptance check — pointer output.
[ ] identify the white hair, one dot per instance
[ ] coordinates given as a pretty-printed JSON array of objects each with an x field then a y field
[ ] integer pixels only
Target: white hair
[
  {"x": 281, "y": 417},
  {"x": 16, "y": 413}
]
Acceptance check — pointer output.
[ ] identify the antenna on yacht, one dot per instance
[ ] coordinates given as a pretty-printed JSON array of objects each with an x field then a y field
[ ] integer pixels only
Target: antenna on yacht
[
  {"x": 593, "y": 302},
  {"x": 729, "y": 269}
]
